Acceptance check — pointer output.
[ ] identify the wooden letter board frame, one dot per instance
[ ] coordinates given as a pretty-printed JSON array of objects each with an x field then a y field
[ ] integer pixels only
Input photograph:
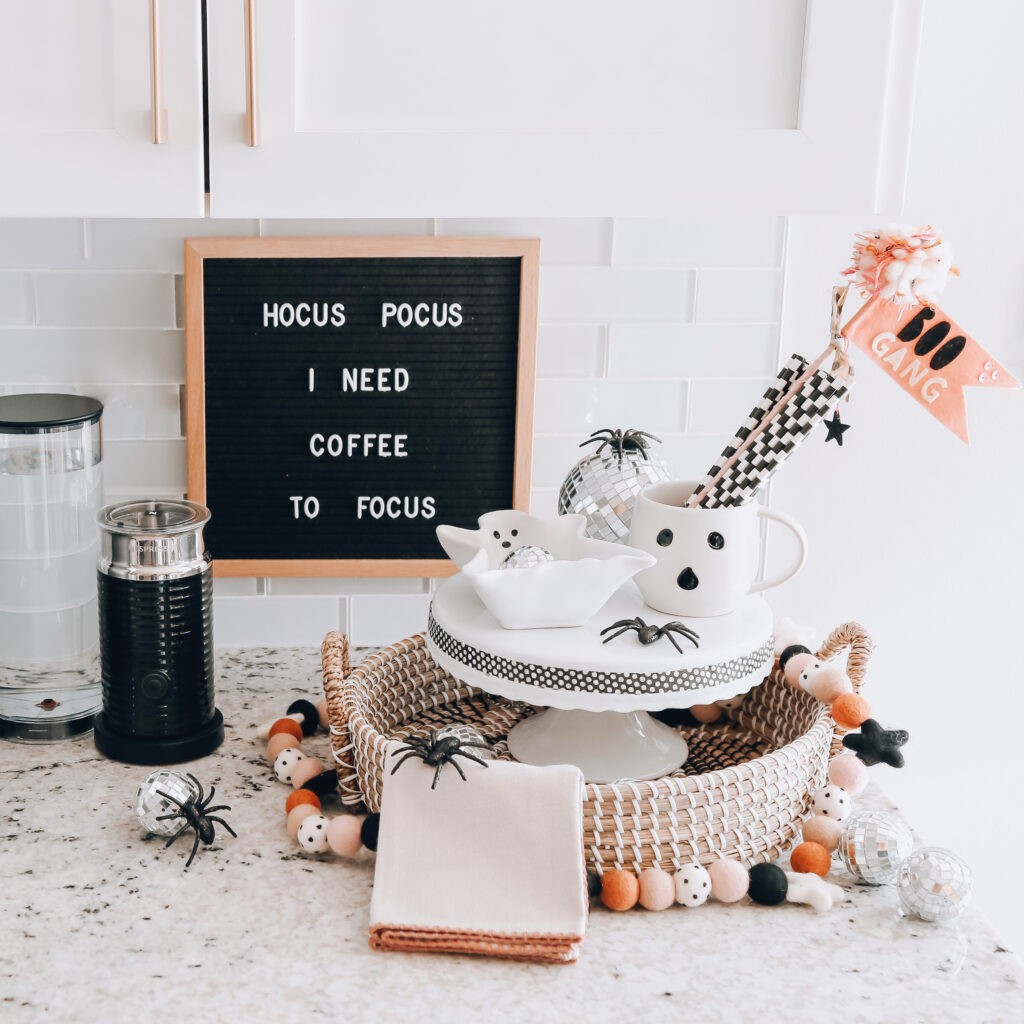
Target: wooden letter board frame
[{"x": 198, "y": 250}]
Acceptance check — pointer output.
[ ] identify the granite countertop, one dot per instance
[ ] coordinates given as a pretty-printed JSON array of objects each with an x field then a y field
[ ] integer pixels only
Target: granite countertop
[{"x": 98, "y": 923}]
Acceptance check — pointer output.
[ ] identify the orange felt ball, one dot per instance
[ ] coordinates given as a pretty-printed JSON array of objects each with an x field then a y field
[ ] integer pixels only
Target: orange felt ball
[
  {"x": 282, "y": 741},
  {"x": 850, "y": 711},
  {"x": 811, "y": 859},
  {"x": 620, "y": 889},
  {"x": 287, "y": 725},
  {"x": 301, "y": 796},
  {"x": 706, "y": 713}
]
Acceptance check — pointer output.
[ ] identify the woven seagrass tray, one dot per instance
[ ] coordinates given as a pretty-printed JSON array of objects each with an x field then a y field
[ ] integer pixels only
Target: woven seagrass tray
[{"x": 742, "y": 794}]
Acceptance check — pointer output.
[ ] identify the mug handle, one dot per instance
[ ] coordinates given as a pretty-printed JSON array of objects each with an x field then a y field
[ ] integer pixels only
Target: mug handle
[{"x": 798, "y": 532}]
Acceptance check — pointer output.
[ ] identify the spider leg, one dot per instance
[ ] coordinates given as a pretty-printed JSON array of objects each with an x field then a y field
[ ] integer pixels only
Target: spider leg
[
  {"x": 412, "y": 753},
  {"x": 219, "y": 807},
  {"x": 437, "y": 775},
  {"x": 455, "y": 765},
  {"x": 672, "y": 639},
  {"x": 198, "y": 786},
  {"x": 631, "y": 623},
  {"x": 214, "y": 817},
  {"x": 625, "y": 629},
  {"x": 209, "y": 799},
  {"x": 174, "y": 800},
  {"x": 406, "y": 749},
  {"x": 184, "y": 828},
  {"x": 167, "y": 817},
  {"x": 472, "y": 757},
  {"x": 678, "y": 627},
  {"x": 195, "y": 846}
]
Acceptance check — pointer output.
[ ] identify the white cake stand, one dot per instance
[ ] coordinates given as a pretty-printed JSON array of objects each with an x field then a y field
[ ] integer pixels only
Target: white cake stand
[{"x": 599, "y": 695}]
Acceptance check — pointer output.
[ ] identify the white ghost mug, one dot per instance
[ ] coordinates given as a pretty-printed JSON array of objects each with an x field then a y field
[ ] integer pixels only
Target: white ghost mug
[{"x": 707, "y": 557}]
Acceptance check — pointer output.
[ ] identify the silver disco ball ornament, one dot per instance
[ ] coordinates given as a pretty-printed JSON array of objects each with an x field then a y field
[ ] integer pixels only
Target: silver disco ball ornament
[
  {"x": 603, "y": 487},
  {"x": 150, "y": 804},
  {"x": 934, "y": 884},
  {"x": 873, "y": 844},
  {"x": 468, "y": 734},
  {"x": 529, "y": 556}
]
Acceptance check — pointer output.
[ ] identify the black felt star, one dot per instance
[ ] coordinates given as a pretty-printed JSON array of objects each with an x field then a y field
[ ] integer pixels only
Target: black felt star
[
  {"x": 836, "y": 429},
  {"x": 875, "y": 745}
]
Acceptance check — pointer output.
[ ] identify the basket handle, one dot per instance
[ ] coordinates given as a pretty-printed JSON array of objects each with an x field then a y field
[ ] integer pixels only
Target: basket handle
[
  {"x": 854, "y": 636},
  {"x": 335, "y": 657}
]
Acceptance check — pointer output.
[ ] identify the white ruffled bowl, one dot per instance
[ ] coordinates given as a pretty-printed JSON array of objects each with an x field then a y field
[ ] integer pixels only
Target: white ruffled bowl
[{"x": 565, "y": 592}]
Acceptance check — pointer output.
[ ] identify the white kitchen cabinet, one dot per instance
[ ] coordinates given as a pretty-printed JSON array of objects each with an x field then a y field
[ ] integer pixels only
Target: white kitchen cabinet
[
  {"x": 580, "y": 107},
  {"x": 77, "y": 95}
]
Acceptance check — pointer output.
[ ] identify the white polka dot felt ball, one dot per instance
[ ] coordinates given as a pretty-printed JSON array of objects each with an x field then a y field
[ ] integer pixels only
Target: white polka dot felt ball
[
  {"x": 313, "y": 834},
  {"x": 693, "y": 885},
  {"x": 832, "y": 802},
  {"x": 285, "y": 763}
]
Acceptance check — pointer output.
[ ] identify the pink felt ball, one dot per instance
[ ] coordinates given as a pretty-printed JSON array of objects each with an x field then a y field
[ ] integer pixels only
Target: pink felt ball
[
  {"x": 823, "y": 831},
  {"x": 706, "y": 713},
  {"x": 657, "y": 889},
  {"x": 829, "y": 683},
  {"x": 343, "y": 835},
  {"x": 729, "y": 880},
  {"x": 306, "y": 770},
  {"x": 795, "y": 666},
  {"x": 849, "y": 772},
  {"x": 321, "y": 711},
  {"x": 277, "y": 743},
  {"x": 297, "y": 815}
]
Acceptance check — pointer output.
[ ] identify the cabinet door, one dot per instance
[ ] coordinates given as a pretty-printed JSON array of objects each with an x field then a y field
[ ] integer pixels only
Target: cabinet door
[
  {"x": 575, "y": 107},
  {"x": 79, "y": 80}
]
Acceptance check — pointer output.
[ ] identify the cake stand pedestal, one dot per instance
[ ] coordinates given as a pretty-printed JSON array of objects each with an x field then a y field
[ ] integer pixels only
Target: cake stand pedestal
[{"x": 599, "y": 695}]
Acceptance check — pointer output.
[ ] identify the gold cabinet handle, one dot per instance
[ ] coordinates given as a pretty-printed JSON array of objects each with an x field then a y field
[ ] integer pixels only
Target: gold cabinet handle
[
  {"x": 252, "y": 97},
  {"x": 158, "y": 113}
]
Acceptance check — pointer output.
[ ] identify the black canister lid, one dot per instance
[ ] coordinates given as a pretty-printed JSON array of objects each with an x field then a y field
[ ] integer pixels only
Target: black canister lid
[{"x": 37, "y": 414}]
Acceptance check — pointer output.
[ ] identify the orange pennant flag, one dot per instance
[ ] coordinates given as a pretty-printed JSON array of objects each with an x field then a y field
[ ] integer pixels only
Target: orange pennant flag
[{"x": 928, "y": 354}]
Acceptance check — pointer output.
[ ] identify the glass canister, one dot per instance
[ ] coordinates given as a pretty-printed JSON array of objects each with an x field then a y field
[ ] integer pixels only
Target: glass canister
[
  {"x": 51, "y": 487},
  {"x": 156, "y": 634}
]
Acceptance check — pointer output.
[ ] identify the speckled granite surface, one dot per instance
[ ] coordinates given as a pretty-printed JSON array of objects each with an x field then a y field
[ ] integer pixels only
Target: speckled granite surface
[{"x": 98, "y": 924}]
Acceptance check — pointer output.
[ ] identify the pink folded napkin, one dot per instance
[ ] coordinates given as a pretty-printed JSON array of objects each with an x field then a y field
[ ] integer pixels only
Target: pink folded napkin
[{"x": 493, "y": 865}]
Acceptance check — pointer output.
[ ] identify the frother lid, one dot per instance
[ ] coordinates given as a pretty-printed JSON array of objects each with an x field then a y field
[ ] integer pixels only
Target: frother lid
[
  {"x": 39, "y": 414},
  {"x": 156, "y": 518}
]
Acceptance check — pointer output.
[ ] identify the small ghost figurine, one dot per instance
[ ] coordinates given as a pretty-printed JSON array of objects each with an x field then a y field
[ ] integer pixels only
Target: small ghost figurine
[{"x": 812, "y": 890}]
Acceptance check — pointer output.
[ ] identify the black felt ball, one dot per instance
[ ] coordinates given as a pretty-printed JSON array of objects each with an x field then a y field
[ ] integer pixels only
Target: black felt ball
[
  {"x": 323, "y": 784},
  {"x": 593, "y": 884},
  {"x": 370, "y": 831},
  {"x": 768, "y": 884},
  {"x": 310, "y": 715},
  {"x": 790, "y": 651},
  {"x": 675, "y": 717}
]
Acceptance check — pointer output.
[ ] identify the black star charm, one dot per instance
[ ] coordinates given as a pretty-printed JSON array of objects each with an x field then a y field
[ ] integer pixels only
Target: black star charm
[
  {"x": 836, "y": 429},
  {"x": 875, "y": 745}
]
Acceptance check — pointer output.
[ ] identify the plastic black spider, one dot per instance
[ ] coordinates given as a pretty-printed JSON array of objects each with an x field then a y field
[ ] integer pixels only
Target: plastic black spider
[
  {"x": 438, "y": 752},
  {"x": 621, "y": 441},
  {"x": 649, "y": 634},
  {"x": 196, "y": 813}
]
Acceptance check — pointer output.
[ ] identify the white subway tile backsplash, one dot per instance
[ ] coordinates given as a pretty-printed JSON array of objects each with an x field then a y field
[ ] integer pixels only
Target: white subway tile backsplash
[
  {"x": 234, "y": 586},
  {"x": 692, "y": 350},
  {"x": 380, "y": 619},
  {"x": 28, "y": 243},
  {"x": 155, "y": 244},
  {"x": 586, "y": 295},
  {"x": 346, "y": 228},
  {"x": 564, "y": 241},
  {"x": 15, "y": 298},
  {"x": 143, "y": 466},
  {"x": 92, "y": 355},
  {"x": 739, "y": 296},
  {"x": 720, "y": 406},
  {"x": 699, "y": 242},
  {"x": 98, "y": 298},
  {"x": 544, "y": 502},
  {"x": 275, "y": 621},
  {"x": 134, "y": 412},
  {"x": 579, "y": 407},
  {"x": 571, "y": 350},
  {"x": 342, "y": 586},
  {"x": 554, "y": 455}
]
